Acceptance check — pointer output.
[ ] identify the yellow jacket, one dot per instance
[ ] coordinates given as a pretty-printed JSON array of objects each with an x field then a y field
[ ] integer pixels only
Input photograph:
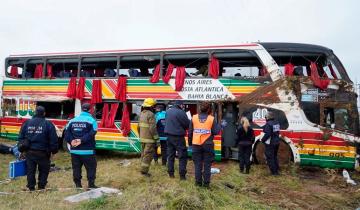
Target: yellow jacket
[{"x": 147, "y": 127}]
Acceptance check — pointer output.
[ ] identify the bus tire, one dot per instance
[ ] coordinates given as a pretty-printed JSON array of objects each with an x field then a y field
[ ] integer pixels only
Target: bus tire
[{"x": 285, "y": 154}]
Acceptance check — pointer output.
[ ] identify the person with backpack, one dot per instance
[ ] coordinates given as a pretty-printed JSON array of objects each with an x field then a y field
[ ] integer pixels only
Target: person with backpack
[{"x": 39, "y": 140}]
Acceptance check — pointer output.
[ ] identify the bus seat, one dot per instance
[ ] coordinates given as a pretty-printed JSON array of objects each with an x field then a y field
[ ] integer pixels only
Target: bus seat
[{"x": 109, "y": 73}]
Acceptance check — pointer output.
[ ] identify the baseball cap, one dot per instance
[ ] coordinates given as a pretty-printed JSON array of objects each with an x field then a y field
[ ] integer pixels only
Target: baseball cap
[
  {"x": 85, "y": 107},
  {"x": 40, "y": 110}
]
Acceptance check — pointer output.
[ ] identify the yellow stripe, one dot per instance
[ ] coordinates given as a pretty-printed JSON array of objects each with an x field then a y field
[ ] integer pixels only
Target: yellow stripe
[
  {"x": 328, "y": 147},
  {"x": 326, "y": 153},
  {"x": 106, "y": 90}
]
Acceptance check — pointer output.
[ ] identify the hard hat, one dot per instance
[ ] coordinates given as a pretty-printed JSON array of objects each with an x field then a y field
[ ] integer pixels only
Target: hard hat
[{"x": 149, "y": 102}]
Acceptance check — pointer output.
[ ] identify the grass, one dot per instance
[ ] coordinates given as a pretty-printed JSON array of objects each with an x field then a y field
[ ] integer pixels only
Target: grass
[{"x": 296, "y": 188}]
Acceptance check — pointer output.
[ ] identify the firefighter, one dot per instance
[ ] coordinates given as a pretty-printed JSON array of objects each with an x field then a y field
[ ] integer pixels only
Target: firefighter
[
  {"x": 80, "y": 134},
  {"x": 271, "y": 140},
  {"x": 148, "y": 135},
  {"x": 176, "y": 124},
  {"x": 201, "y": 135},
  {"x": 43, "y": 142}
]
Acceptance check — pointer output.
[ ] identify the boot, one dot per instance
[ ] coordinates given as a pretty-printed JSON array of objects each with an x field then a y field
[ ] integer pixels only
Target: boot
[
  {"x": 247, "y": 170},
  {"x": 182, "y": 177},
  {"x": 92, "y": 185},
  {"x": 78, "y": 185}
]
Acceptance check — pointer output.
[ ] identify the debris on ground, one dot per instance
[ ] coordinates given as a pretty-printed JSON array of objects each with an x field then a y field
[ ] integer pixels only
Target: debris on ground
[
  {"x": 92, "y": 194},
  {"x": 347, "y": 177},
  {"x": 215, "y": 170},
  {"x": 125, "y": 163}
]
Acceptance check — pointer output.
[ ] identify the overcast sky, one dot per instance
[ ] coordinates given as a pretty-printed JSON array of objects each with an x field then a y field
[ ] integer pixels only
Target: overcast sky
[{"x": 68, "y": 25}]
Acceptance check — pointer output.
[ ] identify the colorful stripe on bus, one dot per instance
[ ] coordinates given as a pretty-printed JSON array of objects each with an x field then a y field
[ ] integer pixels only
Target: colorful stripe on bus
[
  {"x": 313, "y": 150},
  {"x": 136, "y": 88},
  {"x": 106, "y": 138}
]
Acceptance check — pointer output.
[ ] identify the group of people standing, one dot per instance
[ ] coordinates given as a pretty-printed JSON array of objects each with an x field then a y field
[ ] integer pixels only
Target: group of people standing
[
  {"x": 38, "y": 139},
  {"x": 169, "y": 128}
]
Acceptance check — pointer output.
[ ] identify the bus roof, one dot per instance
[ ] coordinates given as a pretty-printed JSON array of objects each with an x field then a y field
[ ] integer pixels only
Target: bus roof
[
  {"x": 269, "y": 46},
  {"x": 136, "y": 50}
]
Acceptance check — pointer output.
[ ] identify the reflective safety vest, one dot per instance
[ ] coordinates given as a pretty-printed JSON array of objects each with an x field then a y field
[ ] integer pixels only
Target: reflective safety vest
[{"x": 201, "y": 130}]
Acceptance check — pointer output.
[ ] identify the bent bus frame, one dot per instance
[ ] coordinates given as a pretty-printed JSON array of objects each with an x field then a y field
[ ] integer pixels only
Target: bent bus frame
[{"x": 319, "y": 123}]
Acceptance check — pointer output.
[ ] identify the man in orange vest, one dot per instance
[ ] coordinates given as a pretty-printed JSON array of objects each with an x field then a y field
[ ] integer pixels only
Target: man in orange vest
[{"x": 201, "y": 135}]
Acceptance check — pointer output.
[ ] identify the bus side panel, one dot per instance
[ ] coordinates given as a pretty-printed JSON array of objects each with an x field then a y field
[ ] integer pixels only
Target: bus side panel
[{"x": 314, "y": 150}]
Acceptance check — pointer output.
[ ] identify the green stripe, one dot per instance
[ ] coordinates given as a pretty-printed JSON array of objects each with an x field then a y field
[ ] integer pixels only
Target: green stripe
[
  {"x": 9, "y": 135},
  {"x": 326, "y": 161},
  {"x": 88, "y": 85}
]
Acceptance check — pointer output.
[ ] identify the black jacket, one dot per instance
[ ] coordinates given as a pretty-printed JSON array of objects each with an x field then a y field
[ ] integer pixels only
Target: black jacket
[
  {"x": 272, "y": 131},
  {"x": 41, "y": 134},
  {"x": 243, "y": 137},
  {"x": 176, "y": 121}
]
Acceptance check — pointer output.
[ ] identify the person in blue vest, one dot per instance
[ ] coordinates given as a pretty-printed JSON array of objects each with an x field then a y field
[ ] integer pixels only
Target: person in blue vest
[
  {"x": 271, "y": 140},
  {"x": 43, "y": 142},
  {"x": 80, "y": 134},
  {"x": 160, "y": 126}
]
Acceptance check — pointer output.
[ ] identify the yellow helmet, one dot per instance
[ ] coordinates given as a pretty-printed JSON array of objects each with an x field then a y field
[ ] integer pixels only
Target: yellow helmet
[{"x": 149, "y": 102}]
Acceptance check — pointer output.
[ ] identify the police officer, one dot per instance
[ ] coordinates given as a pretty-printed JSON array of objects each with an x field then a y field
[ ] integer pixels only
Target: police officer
[
  {"x": 201, "y": 135},
  {"x": 43, "y": 141},
  {"x": 80, "y": 134},
  {"x": 176, "y": 124},
  {"x": 148, "y": 134},
  {"x": 160, "y": 114},
  {"x": 271, "y": 140}
]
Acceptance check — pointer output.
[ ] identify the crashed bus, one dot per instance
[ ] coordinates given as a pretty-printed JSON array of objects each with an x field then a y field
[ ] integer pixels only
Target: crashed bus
[{"x": 305, "y": 86}]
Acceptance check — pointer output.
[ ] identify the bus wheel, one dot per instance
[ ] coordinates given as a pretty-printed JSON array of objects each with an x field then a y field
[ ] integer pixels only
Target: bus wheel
[{"x": 285, "y": 155}]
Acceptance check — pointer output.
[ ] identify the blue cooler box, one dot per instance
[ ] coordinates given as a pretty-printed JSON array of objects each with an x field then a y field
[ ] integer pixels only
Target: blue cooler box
[{"x": 17, "y": 168}]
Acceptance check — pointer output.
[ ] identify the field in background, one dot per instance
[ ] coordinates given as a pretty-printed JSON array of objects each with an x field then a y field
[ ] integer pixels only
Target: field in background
[{"x": 296, "y": 188}]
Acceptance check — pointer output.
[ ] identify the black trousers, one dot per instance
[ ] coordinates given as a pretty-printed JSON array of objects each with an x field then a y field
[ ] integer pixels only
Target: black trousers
[
  {"x": 244, "y": 156},
  {"x": 271, "y": 151},
  {"x": 89, "y": 161},
  {"x": 176, "y": 144},
  {"x": 203, "y": 156},
  {"x": 37, "y": 160},
  {"x": 4, "y": 149},
  {"x": 163, "y": 147}
]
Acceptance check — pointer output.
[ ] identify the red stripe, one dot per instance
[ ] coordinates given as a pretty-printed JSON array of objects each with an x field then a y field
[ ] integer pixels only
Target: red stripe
[
  {"x": 319, "y": 142},
  {"x": 112, "y": 85},
  {"x": 135, "y": 50}
]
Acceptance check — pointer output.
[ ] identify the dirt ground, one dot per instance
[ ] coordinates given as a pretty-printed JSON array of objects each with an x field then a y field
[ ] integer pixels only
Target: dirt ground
[{"x": 296, "y": 188}]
